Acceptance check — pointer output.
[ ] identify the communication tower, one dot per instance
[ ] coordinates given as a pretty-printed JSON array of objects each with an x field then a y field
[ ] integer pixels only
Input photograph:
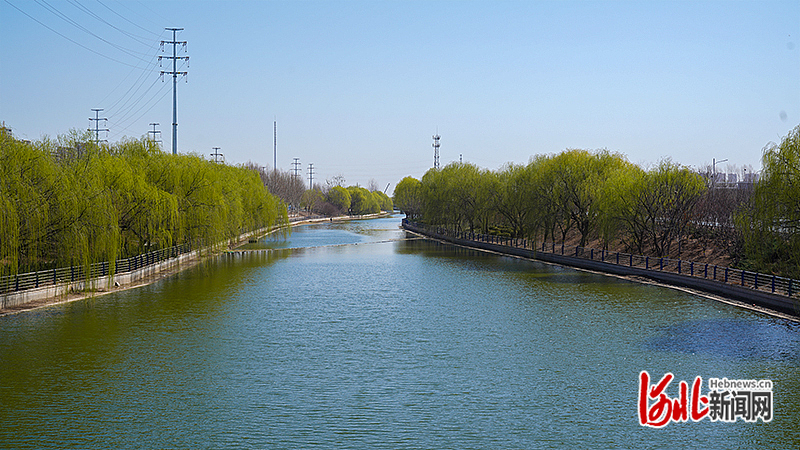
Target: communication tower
[{"x": 436, "y": 150}]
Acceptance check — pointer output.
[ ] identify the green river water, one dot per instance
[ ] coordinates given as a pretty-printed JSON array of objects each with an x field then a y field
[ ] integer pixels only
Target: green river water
[{"x": 350, "y": 335}]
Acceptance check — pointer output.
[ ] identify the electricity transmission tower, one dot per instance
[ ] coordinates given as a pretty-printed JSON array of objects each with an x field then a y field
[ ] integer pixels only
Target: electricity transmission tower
[
  {"x": 96, "y": 119},
  {"x": 311, "y": 175},
  {"x": 275, "y": 145},
  {"x": 296, "y": 168},
  {"x": 174, "y": 72},
  {"x": 154, "y": 133},
  {"x": 217, "y": 155}
]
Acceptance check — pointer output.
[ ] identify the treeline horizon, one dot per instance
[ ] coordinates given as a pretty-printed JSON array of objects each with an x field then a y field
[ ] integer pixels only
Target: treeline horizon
[
  {"x": 70, "y": 202},
  {"x": 351, "y": 200},
  {"x": 600, "y": 195},
  {"x": 331, "y": 199}
]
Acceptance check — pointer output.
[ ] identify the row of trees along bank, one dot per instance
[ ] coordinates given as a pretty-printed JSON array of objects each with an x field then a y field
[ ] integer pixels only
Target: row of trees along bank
[
  {"x": 332, "y": 199},
  {"x": 602, "y": 196},
  {"x": 339, "y": 200},
  {"x": 70, "y": 202}
]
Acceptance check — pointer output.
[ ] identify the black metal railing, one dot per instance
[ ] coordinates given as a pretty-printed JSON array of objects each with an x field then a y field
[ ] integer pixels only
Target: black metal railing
[
  {"x": 32, "y": 280},
  {"x": 774, "y": 284}
]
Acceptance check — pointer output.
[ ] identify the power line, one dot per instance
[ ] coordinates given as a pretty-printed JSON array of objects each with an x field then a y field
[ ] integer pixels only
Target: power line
[
  {"x": 153, "y": 105},
  {"x": 71, "y": 40},
  {"x": 132, "y": 104},
  {"x": 128, "y": 104},
  {"x": 140, "y": 80},
  {"x": 130, "y": 111},
  {"x": 143, "y": 5},
  {"x": 136, "y": 98},
  {"x": 141, "y": 40},
  {"x": 80, "y": 27},
  {"x": 128, "y": 20}
]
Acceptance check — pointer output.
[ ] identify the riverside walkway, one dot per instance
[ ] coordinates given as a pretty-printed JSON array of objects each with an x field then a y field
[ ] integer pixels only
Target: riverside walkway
[
  {"x": 770, "y": 292},
  {"x": 25, "y": 291}
]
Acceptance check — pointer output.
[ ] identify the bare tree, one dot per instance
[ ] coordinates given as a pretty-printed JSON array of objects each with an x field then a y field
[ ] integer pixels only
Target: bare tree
[
  {"x": 282, "y": 184},
  {"x": 330, "y": 183},
  {"x": 372, "y": 185}
]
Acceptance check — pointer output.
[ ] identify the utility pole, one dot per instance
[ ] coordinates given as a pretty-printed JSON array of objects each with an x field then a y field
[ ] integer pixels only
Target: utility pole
[
  {"x": 311, "y": 175},
  {"x": 217, "y": 155},
  {"x": 96, "y": 119},
  {"x": 154, "y": 133},
  {"x": 174, "y": 72},
  {"x": 275, "y": 145},
  {"x": 436, "y": 150},
  {"x": 296, "y": 168}
]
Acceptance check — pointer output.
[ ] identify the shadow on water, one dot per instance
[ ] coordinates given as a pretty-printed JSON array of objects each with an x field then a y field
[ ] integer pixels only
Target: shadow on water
[
  {"x": 489, "y": 262},
  {"x": 437, "y": 249},
  {"x": 768, "y": 338},
  {"x": 330, "y": 233}
]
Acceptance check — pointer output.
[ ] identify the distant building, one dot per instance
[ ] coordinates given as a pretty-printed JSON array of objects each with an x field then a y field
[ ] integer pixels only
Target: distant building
[
  {"x": 751, "y": 178},
  {"x": 721, "y": 180}
]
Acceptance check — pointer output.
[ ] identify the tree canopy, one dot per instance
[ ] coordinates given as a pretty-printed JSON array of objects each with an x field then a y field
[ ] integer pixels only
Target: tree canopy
[
  {"x": 338, "y": 200},
  {"x": 595, "y": 194},
  {"x": 770, "y": 227},
  {"x": 69, "y": 201},
  {"x": 408, "y": 198}
]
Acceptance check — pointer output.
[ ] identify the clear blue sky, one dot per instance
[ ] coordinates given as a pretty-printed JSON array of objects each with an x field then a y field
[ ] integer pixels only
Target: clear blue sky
[{"x": 358, "y": 88}]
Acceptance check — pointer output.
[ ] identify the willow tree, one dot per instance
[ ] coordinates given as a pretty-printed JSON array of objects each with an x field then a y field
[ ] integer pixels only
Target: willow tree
[
  {"x": 436, "y": 209},
  {"x": 362, "y": 201},
  {"x": 28, "y": 181},
  {"x": 147, "y": 215},
  {"x": 467, "y": 185},
  {"x": 455, "y": 196},
  {"x": 56, "y": 206},
  {"x": 260, "y": 208},
  {"x": 339, "y": 197},
  {"x": 579, "y": 176},
  {"x": 312, "y": 199},
  {"x": 71, "y": 202},
  {"x": 547, "y": 198},
  {"x": 770, "y": 227},
  {"x": 382, "y": 200},
  {"x": 516, "y": 199},
  {"x": 88, "y": 229},
  {"x": 653, "y": 207},
  {"x": 623, "y": 215},
  {"x": 408, "y": 197}
]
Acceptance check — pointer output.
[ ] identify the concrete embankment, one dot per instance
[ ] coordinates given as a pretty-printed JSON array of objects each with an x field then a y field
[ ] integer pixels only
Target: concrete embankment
[
  {"x": 69, "y": 291},
  {"x": 76, "y": 289},
  {"x": 52, "y": 294},
  {"x": 743, "y": 297}
]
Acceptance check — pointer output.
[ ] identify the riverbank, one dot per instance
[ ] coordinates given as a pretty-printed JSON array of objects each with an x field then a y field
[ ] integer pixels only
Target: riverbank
[
  {"x": 752, "y": 299},
  {"x": 69, "y": 292}
]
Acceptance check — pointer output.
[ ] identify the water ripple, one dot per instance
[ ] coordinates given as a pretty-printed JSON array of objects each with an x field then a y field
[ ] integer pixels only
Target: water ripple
[{"x": 771, "y": 339}]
